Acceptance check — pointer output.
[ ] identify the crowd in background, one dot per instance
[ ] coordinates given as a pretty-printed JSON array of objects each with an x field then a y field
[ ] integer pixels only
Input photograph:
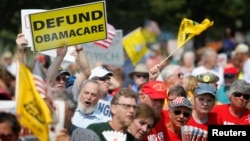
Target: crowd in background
[{"x": 151, "y": 101}]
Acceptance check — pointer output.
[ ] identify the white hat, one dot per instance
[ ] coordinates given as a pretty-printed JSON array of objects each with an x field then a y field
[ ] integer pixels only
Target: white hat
[
  {"x": 241, "y": 48},
  {"x": 99, "y": 72}
]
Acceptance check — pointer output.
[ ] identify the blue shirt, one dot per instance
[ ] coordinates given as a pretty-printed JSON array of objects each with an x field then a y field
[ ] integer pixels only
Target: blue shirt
[
  {"x": 222, "y": 95},
  {"x": 101, "y": 114}
]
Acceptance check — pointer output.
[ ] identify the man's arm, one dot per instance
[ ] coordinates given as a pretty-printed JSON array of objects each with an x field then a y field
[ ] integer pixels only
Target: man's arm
[
  {"x": 21, "y": 41},
  {"x": 83, "y": 64},
  {"x": 53, "y": 68}
]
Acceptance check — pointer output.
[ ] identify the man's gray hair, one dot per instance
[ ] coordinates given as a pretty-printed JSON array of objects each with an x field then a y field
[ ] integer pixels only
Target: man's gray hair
[
  {"x": 89, "y": 81},
  {"x": 169, "y": 70},
  {"x": 239, "y": 86}
]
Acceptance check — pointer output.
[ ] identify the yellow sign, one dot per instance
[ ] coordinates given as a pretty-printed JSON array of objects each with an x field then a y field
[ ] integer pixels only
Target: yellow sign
[
  {"x": 70, "y": 25},
  {"x": 135, "y": 45}
]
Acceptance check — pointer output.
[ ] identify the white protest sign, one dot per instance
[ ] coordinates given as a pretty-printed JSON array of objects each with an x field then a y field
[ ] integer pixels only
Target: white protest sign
[
  {"x": 103, "y": 108},
  {"x": 25, "y": 21},
  {"x": 113, "y": 55}
]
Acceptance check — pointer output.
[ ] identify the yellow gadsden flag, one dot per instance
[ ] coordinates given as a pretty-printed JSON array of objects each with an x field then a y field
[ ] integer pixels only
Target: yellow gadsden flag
[
  {"x": 135, "y": 45},
  {"x": 188, "y": 29},
  {"x": 32, "y": 109}
]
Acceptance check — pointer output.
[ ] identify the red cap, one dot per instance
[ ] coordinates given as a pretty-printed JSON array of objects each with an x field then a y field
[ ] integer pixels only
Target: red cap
[
  {"x": 155, "y": 89},
  {"x": 231, "y": 70}
]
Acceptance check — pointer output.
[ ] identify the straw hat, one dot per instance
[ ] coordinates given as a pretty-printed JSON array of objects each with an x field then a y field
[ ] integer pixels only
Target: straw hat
[{"x": 139, "y": 68}]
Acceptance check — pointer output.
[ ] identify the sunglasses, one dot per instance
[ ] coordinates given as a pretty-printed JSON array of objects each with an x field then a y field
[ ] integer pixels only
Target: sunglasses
[
  {"x": 105, "y": 78},
  {"x": 139, "y": 76},
  {"x": 185, "y": 114},
  {"x": 230, "y": 76},
  {"x": 238, "y": 94},
  {"x": 61, "y": 78},
  {"x": 6, "y": 137}
]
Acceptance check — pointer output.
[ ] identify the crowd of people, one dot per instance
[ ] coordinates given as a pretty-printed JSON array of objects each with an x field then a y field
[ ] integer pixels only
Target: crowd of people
[{"x": 156, "y": 105}]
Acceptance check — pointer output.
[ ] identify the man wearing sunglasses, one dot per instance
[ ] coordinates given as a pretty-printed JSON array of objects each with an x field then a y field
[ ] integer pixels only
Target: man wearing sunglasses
[
  {"x": 61, "y": 78},
  {"x": 102, "y": 76},
  {"x": 236, "y": 112}
]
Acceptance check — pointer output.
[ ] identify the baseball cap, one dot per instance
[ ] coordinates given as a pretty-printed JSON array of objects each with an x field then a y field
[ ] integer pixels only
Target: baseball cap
[
  {"x": 155, "y": 89},
  {"x": 63, "y": 72},
  {"x": 181, "y": 102},
  {"x": 204, "y": 88},
  {"x": 99, "y": 72},
  {"x": 207, "y": 77}
]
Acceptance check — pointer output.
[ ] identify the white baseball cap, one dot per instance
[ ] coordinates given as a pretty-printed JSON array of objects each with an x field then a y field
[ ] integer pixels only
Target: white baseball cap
[{"x": 99, "y": 72}]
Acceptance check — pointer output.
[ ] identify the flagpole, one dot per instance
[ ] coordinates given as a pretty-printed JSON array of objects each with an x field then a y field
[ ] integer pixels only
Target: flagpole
[{"x": 169, "y": 55}]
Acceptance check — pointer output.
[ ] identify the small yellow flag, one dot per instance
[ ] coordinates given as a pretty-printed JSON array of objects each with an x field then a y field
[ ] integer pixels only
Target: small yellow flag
[
  {"x": 33, "y": 111},
  {"x": 188, "y": 29},
  {"x": 135, "y": 45}
]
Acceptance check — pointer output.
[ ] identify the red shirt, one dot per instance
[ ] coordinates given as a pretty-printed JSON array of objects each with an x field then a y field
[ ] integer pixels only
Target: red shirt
[
  {"x": 159, "y": 132},
  {"x": 213, "y": 119},
  {"x": 173, "y": 137},
  {"x": 228, "y": 119}
]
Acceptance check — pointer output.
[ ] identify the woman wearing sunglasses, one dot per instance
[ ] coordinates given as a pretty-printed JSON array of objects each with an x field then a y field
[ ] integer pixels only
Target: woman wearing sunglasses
[
  {"x": 179, "y": 113},
  {"x": 236, "y": 112},
  {"x": 203, "y": 102}
]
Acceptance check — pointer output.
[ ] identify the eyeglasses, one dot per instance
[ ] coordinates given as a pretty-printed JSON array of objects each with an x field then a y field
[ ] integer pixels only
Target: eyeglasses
[
  {"x": 6, "y": 137},
  {"x": 105, "y": 78},
  {"x": 230, "y": 76},
  {"x": 238, "y": 94},
  {"x": 185, "y": 114},
  {"x": 61, "y": 78},
  {"x": 140, "y": 75},
  {"x": 127, "y": 106}
]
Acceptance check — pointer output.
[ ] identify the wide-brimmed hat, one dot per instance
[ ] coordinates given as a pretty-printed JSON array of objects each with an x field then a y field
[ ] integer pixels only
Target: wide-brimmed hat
[{"x": 139, "y": 68}]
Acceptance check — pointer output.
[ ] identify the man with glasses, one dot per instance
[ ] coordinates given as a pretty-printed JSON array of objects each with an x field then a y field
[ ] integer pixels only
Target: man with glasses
[
  {"x": 236, "y": 112},
  {"x": 154, "y": 94},
  {"x": 123, "y": 106}
]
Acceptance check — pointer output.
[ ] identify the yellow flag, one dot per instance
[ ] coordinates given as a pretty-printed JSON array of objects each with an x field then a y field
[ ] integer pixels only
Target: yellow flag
[
  {"x": 135, "y": 45},
  {"x": 32, "y": 109},
  {"x": 188, "y": 29}
]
